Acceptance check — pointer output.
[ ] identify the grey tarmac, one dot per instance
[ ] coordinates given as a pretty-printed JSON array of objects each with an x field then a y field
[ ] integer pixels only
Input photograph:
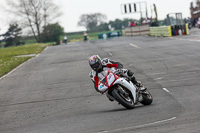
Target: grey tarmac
[{"x": 52, "y": 93}]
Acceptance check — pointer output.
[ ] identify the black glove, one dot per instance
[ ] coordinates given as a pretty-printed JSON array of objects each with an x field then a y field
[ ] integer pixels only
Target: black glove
[{"x": 118, "y": 71}]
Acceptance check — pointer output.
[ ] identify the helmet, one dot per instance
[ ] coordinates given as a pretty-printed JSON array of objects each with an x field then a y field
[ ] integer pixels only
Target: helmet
[{"x": 95, "y": 63}]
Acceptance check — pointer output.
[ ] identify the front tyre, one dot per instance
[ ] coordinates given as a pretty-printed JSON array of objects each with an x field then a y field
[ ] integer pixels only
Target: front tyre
[
  {"x": 147, "y": 98},
  {"x": 124, "y": 100}
]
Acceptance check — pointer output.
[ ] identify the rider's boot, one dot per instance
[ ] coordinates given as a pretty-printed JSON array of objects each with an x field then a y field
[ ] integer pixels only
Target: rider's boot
[
  {"x": 138, "y": 84},
  {"x": 134, "y": 81}
]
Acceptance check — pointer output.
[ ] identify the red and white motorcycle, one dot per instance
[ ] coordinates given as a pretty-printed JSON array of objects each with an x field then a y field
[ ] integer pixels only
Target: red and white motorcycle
[{"x": 123, "y": 91}]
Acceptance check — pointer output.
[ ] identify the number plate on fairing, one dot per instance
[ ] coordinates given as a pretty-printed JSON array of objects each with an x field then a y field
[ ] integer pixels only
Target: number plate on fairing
[{"x": 110, "y": 79}]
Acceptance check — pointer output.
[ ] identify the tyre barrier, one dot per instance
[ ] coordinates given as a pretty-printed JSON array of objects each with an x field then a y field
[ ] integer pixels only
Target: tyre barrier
[
  {"x": 168, "y": 31},
  {"x": 161, "y": 31}
]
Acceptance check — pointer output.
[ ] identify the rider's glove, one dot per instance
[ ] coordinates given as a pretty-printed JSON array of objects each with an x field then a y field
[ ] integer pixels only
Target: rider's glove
[
  {"x": 111, "y": 65},
  {"x": 118, "y": 71}
]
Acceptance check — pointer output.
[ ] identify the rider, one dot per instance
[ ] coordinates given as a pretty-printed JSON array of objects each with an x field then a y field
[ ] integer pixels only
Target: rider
[{"x": 99, "y": 66}]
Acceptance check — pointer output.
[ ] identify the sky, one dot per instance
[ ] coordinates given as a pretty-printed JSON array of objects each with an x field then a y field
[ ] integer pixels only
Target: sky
[{"x": 72, "y": 10}]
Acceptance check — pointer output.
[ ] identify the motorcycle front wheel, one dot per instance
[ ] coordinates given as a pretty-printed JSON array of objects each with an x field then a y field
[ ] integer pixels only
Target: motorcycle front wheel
[{"x": 123, "y": 99}]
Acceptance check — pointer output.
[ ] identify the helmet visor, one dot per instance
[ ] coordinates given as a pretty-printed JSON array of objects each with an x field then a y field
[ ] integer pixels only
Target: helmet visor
[{"x": 95, "y": 66}]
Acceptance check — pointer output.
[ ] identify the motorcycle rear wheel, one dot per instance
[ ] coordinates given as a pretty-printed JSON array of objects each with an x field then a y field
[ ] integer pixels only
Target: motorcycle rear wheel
[
  {"x": 125, "y": 101},
  {"x": 147, "y": 98}
]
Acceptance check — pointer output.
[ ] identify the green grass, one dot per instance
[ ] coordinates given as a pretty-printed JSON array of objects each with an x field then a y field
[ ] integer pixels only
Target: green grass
[
  {"x": 29, "y": 41},
  {"x": 76, "y": 37},
  {"x": 71, "y": 38},
  {"x": 79, "y": 37},
  {"x": 9, "y": 63},
  {"x": 8, "y": 59}
]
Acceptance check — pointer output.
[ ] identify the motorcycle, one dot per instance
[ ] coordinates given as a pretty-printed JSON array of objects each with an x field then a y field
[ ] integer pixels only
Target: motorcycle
[{"x": 123, "y": 91}]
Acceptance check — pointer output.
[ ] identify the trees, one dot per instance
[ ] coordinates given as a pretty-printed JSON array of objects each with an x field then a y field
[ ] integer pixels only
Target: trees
[
  {"x": 34, "y": 14},
  {"x": 91, "y": 21},
  {"x": 12, "y": 36},
  {"x": 118, "y": 24},
  {"x": 95, "y": 22},
  {"x": 52, "y": 33},
  {"x": 103, "y": 27}
]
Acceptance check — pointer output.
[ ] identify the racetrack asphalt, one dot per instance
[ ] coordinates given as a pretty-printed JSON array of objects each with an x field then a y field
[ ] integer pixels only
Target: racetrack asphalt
[{"x": 52, "y": 93}]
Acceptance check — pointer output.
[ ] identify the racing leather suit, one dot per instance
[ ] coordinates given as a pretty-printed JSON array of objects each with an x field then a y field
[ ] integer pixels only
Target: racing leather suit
[{"x": 113, "y": 66}]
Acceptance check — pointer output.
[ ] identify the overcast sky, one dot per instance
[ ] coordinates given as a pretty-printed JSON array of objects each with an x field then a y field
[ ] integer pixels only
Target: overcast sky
[{"x": 72, "y": 10}]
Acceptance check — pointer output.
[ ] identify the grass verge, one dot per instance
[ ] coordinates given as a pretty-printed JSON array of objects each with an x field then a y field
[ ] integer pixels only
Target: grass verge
[{"x": 8, "y": 59}]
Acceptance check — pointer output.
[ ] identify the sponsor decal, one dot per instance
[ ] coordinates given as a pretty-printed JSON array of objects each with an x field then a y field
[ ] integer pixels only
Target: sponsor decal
[
  {"x": 110, "y": 75},
  {"x": 101, "y": 86}
]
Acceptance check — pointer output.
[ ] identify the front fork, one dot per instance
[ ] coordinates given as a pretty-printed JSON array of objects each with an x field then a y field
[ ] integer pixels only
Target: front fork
[
  {"x": 139, "y": 97},
  {"x": 122, "y": 91},
  {"x": 111, "y": 98}
]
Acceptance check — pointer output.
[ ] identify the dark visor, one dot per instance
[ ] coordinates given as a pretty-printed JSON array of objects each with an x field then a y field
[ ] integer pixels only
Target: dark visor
[{"x": 96, "y": 65}]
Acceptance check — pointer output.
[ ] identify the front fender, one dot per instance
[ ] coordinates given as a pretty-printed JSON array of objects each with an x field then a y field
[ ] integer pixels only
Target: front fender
[{"x": 129, "y": 86}]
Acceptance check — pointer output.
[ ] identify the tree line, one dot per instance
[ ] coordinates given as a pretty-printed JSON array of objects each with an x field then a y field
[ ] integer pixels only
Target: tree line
[
  {"x": 96, "y": 22},
  {"x": 36, "y": 18}
]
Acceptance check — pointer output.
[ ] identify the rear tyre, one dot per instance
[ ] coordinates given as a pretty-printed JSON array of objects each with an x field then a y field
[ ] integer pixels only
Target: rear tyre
[
  {"x": 125, "y": 101},
  {"x": 147, "y": 98}
]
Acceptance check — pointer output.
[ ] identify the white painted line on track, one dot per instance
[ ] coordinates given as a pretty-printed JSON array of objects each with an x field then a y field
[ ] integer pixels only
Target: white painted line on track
[
  {"x": 166, "y": 90},
  {"x": 153, "y": 74},
  {"x": 13, "y": 70},
  {"x": 110, "y": 53},
  {"x": 46, "y": 48},
  {"x": 177, "y": 65},
  {"x": 28, "y": 55},
  {"x": 160, "y": 78},
  {"x": 138, "y": 126},
  {"x": 134, "y": 45}
]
